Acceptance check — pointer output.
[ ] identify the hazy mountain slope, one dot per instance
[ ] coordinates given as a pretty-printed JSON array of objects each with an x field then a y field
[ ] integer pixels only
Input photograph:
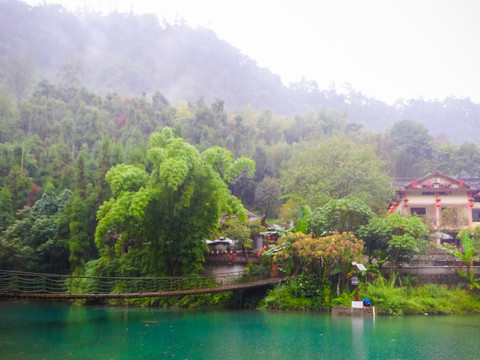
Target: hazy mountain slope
[{"x": 132, "y": 55}]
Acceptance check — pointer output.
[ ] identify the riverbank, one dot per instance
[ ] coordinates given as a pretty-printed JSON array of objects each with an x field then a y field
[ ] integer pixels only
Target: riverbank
[
  {"x": 387, "y": 298},
  {"x": 304, "y": 295}
]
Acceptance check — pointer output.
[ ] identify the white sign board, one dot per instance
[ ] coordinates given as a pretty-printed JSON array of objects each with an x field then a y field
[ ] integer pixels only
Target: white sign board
[
  {"x": 361, "y": 267},
  {"x": 357, "y": 304}
]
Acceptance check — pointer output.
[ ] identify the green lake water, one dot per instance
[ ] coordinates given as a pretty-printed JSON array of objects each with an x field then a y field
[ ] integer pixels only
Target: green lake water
[{"x": 62, "y": 331}]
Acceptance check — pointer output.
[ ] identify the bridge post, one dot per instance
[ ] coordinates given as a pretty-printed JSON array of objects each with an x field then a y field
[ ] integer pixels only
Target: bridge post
[{"x": 274, "y": 270}]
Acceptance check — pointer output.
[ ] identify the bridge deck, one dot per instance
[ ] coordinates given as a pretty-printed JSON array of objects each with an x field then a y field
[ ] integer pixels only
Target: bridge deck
[
  {"x": 41, "y": 293},
  {"x": 146, "y": 294}
]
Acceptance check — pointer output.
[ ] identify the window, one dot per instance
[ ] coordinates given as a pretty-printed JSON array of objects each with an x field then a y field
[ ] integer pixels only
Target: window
[
  {"x": 428, "y": 193},
  {"x": 476, "y": 215},
  {"x": 418, "y": 211},
  {"x": 445, "y": 193}
]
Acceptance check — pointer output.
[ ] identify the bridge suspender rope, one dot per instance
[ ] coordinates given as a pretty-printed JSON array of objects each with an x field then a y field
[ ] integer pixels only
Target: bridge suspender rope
[{"x": 25, "y": 284}]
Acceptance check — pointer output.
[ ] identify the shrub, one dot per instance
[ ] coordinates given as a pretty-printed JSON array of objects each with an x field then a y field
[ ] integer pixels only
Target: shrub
[
  {"x": 305, "y": 286},
  {"x": 304, "y": 292},
  {"x": 430, "y": 298}
]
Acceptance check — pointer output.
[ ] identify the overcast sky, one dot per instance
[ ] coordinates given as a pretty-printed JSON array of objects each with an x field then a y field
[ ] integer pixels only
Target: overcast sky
[{"x": 383, "y": 48}]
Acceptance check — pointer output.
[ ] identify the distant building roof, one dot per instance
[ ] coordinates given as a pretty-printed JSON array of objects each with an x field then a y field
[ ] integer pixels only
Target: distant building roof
[{"x": 402, "y": 183}]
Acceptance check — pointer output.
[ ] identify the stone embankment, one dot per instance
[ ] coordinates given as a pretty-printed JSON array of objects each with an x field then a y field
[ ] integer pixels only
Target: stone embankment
[{"x": 350, "y": 311}]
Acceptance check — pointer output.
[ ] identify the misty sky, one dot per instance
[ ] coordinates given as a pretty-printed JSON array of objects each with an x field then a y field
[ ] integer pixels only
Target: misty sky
[{"x": 383, "y": 48}]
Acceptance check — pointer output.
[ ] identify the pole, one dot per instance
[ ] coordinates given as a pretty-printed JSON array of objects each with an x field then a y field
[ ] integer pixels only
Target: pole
[{"x": 356, "y": 287}]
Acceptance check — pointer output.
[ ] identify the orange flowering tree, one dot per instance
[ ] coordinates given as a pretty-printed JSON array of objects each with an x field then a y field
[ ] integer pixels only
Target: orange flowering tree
[
  {"x": 329, "y": 255},
  {"x": 323, "y": 256}
]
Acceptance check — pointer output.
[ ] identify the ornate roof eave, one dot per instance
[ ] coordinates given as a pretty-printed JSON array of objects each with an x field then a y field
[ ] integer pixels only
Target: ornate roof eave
[{"x": 435, "y": 174}]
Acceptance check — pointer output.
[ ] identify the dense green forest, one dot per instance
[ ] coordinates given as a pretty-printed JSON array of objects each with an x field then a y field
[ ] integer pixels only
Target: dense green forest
[
  {"x": 65, "y": 151},
  {"x": 105, "y": 182}
]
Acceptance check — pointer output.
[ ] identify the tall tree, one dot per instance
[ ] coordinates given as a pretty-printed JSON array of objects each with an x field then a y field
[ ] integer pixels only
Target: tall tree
[
  {"x": 36, "y": 240},
  {"x": 81, "y": 217},
  {"x": 6, "y": 208},
  {"x": 267, "y": 196},
  {"x": 394, "y": 238},
  {"x": 8, "y": 118},
  {"x": 156, "y": 221},
  {"x": 340, "y": 215},
  {"x": 337, "y": 168}
]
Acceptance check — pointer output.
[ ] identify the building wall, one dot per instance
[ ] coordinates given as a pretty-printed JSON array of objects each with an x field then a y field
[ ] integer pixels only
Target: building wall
[
  {"x": 458, "y": 201},
  {"x": 436, "y": 192}
]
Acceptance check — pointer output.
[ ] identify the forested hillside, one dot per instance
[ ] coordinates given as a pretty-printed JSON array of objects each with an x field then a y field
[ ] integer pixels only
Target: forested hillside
[
  {"x": 85, "y": 175},
  {"x": 133, "y": 55},
  {"x": 58, "y": 148}
]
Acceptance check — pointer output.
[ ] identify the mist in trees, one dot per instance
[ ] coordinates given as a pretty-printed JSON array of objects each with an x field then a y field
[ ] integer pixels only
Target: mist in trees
[
  {"x": 69, "y": 139},
  {"x": 133, "y": 54},
  {"x": 68, "y": 152}
]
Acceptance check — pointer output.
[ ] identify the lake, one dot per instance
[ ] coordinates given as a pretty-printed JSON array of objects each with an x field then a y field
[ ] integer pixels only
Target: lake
[{"x": 60, "y": 331}]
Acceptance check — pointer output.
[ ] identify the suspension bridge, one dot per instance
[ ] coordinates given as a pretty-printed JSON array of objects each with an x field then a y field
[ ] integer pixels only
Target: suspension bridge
[{"x": 18, "y": 284}]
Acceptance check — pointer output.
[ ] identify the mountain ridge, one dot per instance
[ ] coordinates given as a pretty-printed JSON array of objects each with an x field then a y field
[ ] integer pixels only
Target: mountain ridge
[{"x": 138, "y": 54}]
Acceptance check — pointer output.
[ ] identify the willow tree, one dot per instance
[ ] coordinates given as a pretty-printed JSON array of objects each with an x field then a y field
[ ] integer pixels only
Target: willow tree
[{"x": 156, "y": 220}]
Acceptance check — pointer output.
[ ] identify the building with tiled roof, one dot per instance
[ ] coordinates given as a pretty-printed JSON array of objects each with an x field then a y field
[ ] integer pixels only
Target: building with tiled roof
[{"x": 439, "y": 198}]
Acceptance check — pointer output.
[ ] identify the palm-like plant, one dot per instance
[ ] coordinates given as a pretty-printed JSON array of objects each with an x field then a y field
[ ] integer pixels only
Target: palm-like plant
[{"x": 468, "y": 256}]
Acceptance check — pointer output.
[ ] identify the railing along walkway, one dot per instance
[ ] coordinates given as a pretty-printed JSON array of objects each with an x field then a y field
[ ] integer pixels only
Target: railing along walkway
[{"x": 40, "y": 285}]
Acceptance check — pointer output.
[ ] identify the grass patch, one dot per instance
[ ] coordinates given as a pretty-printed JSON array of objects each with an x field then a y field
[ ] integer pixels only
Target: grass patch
[
  {"x": 301, "y": 293},
  {"x": 307, "y": 294},
  {"x": 430, "y": 298}
]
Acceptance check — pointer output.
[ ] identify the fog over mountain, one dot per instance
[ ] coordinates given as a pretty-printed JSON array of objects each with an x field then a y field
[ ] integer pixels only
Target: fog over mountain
[{"x": 133, "y": 55}]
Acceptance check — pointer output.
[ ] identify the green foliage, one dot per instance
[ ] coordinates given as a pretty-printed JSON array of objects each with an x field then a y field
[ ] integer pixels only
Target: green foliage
[
  {"x": 303, "y": 219},
  {"x": 220, "y": 300},
  {"x": 267, "y": 196},
  {"x": 345, "y": 299},
  {"x": 342, "y": 215},
  {"x": 235, "y": 229},
  {"x": 69, "y": 137},
  {"x": 304, "y": 293},
  {"x": 36, "y": 240},
  {"x": 156, "y": 225},
  {"x": 394, "y": 238},
  {"x": 321, "y": 255},
  {"x": 125, "y": 178},
  {"x": 337, "y": 168},
  {"x": 305, "y": 285},
  {"x": 468, "y": 256},
  {"x": 326, "y": 258},
  {"x": 282, "y": 253},
  {"x": 6, "y": 209},
  {"x": 80, "y": 242},
  {"x": 431, "y": 299},
  {"x": 20, "y": 186},
  {"x": 8, "y": 117},
  {"x": 292, "y": 208}
]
